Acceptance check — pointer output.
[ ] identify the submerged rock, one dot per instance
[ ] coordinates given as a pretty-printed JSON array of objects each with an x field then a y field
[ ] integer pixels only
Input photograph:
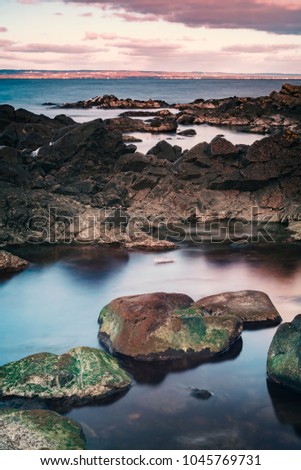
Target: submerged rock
[
  {"x": 82, "y": 374},
  {"x": 200, "y": 394},
  {"x": 283, "y": 363},
  {"x": 162, "y": 326},
  {"x": 253, "y": 307},
  {"x": 149, "y": 244},
  {"x": 10, "y": 263},
  {"x": 39, "y": 430}
]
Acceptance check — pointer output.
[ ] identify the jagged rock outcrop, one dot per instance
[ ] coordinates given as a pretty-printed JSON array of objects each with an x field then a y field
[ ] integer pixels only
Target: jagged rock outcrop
[
  {"x": 155, "y": 125},
  {"x": 162, "y": 326},
  {"x": 111, "y": 101},
  {"x": 66, "y": 188},
  {"x": 280, "y": 110}
]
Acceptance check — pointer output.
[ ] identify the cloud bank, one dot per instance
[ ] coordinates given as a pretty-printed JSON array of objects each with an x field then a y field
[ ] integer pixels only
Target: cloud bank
[{"x": 277, "y": 16}]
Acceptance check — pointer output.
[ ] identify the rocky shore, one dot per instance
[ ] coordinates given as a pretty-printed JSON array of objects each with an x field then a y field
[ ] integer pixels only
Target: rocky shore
[
  {"x": 64, "y": 181},
  {"x": 279, "y": 110}
]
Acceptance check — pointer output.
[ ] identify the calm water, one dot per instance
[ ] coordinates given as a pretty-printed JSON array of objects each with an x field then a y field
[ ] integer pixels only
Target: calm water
[
  {"x": 54, "y": 306},
  {"x": 30, "y": 94}
]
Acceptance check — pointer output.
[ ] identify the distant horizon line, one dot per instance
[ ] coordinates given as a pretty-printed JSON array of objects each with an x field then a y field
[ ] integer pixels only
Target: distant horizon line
[{"x": 123, "y": 73}]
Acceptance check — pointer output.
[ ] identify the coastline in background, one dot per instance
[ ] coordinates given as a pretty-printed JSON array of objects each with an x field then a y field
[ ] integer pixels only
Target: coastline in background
[{"x": 31, "y": 93}]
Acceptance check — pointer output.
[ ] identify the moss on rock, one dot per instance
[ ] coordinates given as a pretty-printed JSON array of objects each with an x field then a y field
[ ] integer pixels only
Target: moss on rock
[
  {"x": 284, "y": 355},
  {"x": 39, "y": 430},
  {"x": 81, "y": 374},
  {"x": 163, "y": 326}
]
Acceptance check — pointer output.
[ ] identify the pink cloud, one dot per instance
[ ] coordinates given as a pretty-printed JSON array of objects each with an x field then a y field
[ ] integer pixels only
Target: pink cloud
[
  {"x": 91, "y": 36},
  {"x": 276, "y": 16},
  {"x": 54, "y": 48},
  {"x": 132, "y": 17},
  {"x": 258, "y": 49},
  {"x": 3, "y": 29},
  {"x": 5, "y": 43},
  {"x": 87, "y": 14},
  {"x": 141, "y": 48}
]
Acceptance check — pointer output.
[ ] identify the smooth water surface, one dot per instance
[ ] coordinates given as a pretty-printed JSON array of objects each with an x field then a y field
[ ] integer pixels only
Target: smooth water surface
[
  {"x": 31, "y": 93},
  {"x": 54, "y": 305}
]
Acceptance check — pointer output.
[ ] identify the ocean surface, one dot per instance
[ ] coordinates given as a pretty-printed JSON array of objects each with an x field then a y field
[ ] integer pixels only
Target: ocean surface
[
  {"x": 31, "y": 94},
  {"x": 54, "y": 305}
]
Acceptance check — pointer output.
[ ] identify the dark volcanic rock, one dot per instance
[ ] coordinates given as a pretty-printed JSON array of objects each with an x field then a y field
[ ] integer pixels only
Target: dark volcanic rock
[
  {"x": 260, "y": 115},
  {"x": 187, "y": 132},
  {"x": 23, "y": 129},
  {"x": 132, "y": 162},
  {"x": 82, "y": 169},
  {"x": 111, "y": 101},
  {"x": 164, "y": 150},
  {"x": 10, "y": 263},
  {"x": 253, "y": 307},
  {"x": 157, "y": 124},
  {"x": 163, "y": 326},
  {"x": 39, "y": 430},
  {"x": 283, "y": 362}
]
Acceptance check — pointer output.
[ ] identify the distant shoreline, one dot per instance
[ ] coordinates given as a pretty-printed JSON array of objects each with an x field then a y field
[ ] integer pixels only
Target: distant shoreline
[{"x": 124, "y": 74}]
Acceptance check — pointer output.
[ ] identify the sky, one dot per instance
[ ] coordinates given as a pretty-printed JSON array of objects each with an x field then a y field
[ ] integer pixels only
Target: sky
[{"x": 240, "y": 36}]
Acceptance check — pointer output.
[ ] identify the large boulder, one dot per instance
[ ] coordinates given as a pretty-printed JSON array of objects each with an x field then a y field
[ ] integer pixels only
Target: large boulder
[
  {"x": 165, "y": 151},
  {"x": 284, "y": 359},
  {"x": 253, "y": 307},
  {"x": 82, "y": 374},
  {"x": 39, "y": 430},
  {"x": 10, "y": 263},
  {"x": 162, "y": 326}
]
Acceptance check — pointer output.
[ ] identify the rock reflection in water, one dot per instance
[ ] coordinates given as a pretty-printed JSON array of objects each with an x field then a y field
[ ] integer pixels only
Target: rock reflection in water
[
  {"x": 153, "y": 373},
  {"x": 287, "y": 405}
]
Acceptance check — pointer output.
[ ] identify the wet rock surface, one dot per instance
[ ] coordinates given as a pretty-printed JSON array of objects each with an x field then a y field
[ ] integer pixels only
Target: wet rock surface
[
  {"x": 283, "y": 363},
  {"x": 162, "y": 326},
  {"x": 39, "y": 430},
  {"x": 10, "y": 263},
  {"x": 252, "y": 307},
  {"x": 81, "y": 375}
]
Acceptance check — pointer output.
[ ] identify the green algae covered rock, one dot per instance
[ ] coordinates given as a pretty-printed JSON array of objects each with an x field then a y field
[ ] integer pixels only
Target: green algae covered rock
[
  {"x": 81, "y": 374},
  {"x": 284, "y": 355},
  {"x": 162, "y": 326},
  {"x": 39, "y": 430}
]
